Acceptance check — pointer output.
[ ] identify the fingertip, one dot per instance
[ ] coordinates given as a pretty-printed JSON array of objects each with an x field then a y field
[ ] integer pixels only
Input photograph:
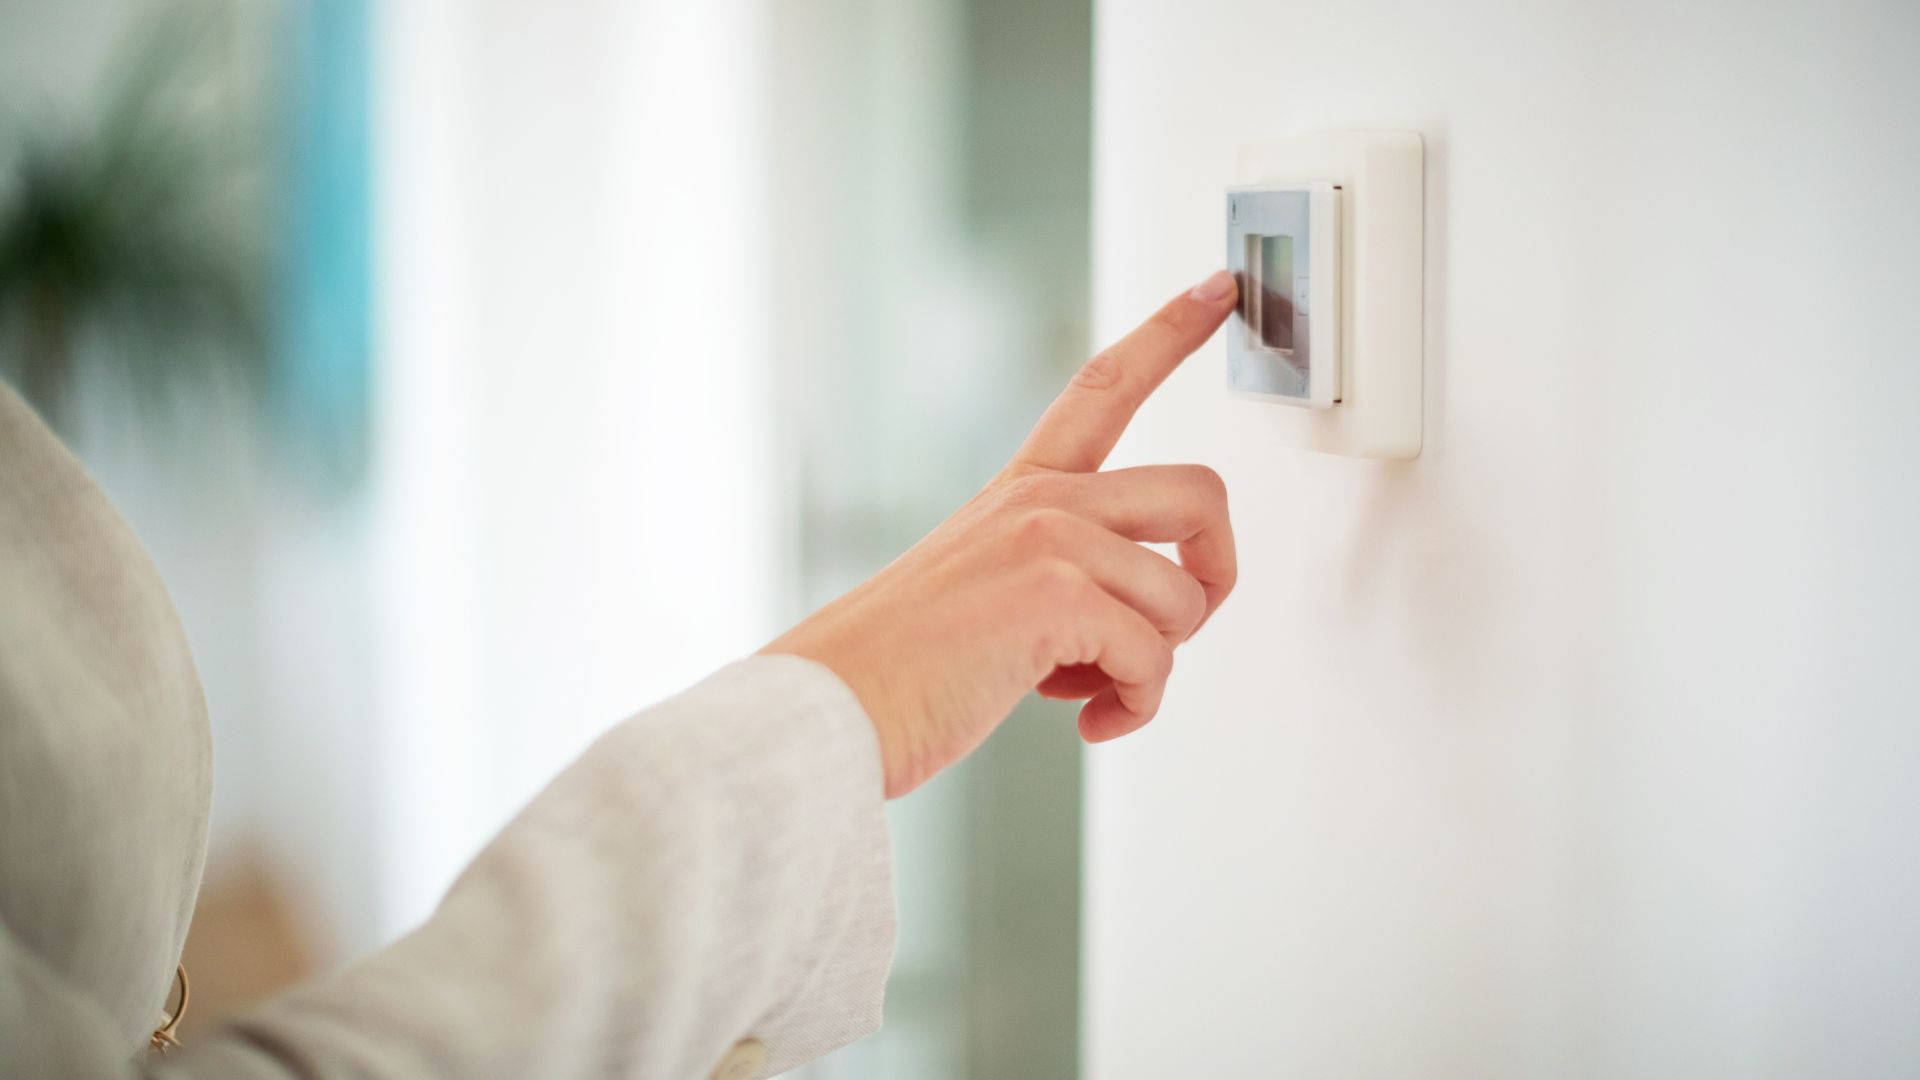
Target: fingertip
[
  {"x": 1194, "y": 315},
  {"x": 1105, "y": 717},
  {"x": 1215, "y": 288}
]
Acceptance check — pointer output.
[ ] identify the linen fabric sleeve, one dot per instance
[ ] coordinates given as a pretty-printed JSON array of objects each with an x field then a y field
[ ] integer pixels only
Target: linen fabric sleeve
[{"x": 706, "y": 891}]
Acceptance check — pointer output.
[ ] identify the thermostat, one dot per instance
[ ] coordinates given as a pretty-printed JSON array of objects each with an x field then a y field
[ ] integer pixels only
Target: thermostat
[
  {"x": 1283, "y": 246},
  {"x": 1325, "y": 235}
]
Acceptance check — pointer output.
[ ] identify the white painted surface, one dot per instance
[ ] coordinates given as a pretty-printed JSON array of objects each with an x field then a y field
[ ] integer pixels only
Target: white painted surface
[{"x": 1586, "y": 743}]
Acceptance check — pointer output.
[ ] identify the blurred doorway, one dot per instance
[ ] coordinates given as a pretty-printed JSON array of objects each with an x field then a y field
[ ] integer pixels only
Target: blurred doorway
[{"x": 931, "y": 205}]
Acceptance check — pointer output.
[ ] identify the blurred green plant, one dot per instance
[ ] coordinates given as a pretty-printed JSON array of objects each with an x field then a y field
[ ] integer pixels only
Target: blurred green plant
[{"x": 137, "y": 245}]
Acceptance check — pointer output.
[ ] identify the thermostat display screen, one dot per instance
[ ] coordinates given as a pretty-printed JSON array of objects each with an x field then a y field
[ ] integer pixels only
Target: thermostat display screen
[
  {"x": 1270, "y": 305},
  {"x": 1271, "y": 245}
]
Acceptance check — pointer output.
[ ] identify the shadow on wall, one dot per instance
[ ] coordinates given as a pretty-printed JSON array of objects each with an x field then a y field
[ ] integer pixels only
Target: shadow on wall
[{"x": 1409, "y": 529}]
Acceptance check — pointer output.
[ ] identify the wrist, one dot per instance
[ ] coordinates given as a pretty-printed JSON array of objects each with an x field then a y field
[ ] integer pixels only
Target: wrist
[{"x": 900, "y": 759}]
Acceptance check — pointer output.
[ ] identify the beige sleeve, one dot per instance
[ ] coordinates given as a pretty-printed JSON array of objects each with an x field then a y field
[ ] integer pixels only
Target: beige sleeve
[{"x": 712, "y": 871}]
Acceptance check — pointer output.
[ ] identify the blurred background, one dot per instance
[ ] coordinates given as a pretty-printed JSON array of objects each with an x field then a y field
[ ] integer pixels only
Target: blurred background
[{"x": 479, "y": 373}]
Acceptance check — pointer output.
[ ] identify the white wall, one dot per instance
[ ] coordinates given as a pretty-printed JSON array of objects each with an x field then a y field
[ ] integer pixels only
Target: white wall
[{"x": 1589, "y": 742}]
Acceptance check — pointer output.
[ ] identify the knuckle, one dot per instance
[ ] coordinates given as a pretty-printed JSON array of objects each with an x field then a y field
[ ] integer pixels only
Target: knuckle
[
  {"x": 1163, "y": 663},
  {"x": 1058, "y": 590},
  {"x": 1059, "y": 583},
  {"x": 1229, "y": 576},
  {"x": 1099, "y": 373},
  {"x": 1208, "y": 482},
  {"x": 1172, "y": 319},
  {"x": 1042, "y": 530},
  {"x": 1196, "y": 605},
  {"x": 1045, "y": 653},
  {"x": 1025, "y": 490}
]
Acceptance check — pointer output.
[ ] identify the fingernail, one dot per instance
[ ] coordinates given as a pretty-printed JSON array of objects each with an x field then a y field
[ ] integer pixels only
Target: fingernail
[{"x": 1218, "y": 286}]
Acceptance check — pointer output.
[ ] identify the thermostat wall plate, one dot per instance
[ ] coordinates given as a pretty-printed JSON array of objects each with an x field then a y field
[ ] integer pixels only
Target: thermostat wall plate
[{"x": 1324, "y": 233}]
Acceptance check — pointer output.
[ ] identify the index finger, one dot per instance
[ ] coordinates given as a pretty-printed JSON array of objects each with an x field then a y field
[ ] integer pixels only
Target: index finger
[{"x": 1079, "y": 429}]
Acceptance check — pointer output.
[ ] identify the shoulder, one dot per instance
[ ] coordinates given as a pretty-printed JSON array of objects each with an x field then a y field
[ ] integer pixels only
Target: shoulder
[{"x": 105, "y": 763}]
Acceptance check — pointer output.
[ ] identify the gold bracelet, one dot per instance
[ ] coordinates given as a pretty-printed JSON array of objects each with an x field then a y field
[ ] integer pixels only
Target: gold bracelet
[{"x": 163, "y": 1038}]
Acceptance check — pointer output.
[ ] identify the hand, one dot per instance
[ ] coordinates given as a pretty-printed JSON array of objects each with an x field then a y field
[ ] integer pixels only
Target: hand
[{"x": 1040, "y": 581}]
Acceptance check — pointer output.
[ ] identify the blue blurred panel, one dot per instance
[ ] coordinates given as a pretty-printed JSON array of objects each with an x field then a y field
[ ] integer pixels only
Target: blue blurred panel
[{"x": 321, "y": 385}]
